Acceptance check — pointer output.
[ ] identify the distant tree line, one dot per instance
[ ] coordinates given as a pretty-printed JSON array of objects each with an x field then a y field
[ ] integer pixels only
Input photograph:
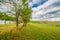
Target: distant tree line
[{"x": 6, "y": 17}]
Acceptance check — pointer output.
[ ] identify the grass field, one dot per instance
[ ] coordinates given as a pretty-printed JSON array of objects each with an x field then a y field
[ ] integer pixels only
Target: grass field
[{"x": 33, "y": 31}]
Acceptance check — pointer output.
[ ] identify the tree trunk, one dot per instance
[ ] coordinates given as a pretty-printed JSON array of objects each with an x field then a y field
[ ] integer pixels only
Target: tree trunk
[
  {"x": 24, "y": 22},
  {"x": 17, "y": 20}
]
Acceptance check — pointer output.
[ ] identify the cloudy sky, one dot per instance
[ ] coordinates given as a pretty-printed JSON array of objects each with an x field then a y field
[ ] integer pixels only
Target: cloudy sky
[{"x": 46, "y": 10}]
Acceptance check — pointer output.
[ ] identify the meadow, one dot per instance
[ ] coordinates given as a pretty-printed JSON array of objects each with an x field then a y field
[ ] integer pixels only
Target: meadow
[{"x": 33, "y": 31}]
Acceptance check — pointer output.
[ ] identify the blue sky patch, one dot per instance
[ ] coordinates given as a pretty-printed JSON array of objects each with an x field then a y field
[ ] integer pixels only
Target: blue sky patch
[{"x": 38, "y": 4}]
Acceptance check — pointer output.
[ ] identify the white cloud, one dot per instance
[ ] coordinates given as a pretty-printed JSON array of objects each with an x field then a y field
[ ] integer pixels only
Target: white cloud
[
  {"x": 53, "y": 9},
  {"x": 36, "y": 1},
  {"x": 54, "y": 19}
]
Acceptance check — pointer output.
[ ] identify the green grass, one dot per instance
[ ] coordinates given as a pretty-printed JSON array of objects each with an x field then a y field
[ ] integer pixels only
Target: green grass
[
  {"x": 40, "y": 32},
  {"x": 36, "y": 31}
]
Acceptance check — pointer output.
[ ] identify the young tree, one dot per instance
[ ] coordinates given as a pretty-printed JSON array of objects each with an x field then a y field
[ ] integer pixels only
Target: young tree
[{"x": 26, "y": 12}]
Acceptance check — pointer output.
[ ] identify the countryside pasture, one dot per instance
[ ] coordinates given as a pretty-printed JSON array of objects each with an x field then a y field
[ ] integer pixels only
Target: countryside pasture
[{"x": 33, "y": 31}]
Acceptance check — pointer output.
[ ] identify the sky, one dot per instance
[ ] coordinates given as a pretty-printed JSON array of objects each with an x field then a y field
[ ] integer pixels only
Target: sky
[
  {"x": 46, "y": 10},
  {"x": 43, "y": 10}
]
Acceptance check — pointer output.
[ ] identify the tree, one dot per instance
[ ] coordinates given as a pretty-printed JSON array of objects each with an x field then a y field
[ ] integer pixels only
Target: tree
[
  {"x": 26, "y": 12},
  {"x": 3, "y": 16},
  {"x": 6, "y": 17},
  {"x": 22, "y": 9},
  {"x": 15, "y": 8}
]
